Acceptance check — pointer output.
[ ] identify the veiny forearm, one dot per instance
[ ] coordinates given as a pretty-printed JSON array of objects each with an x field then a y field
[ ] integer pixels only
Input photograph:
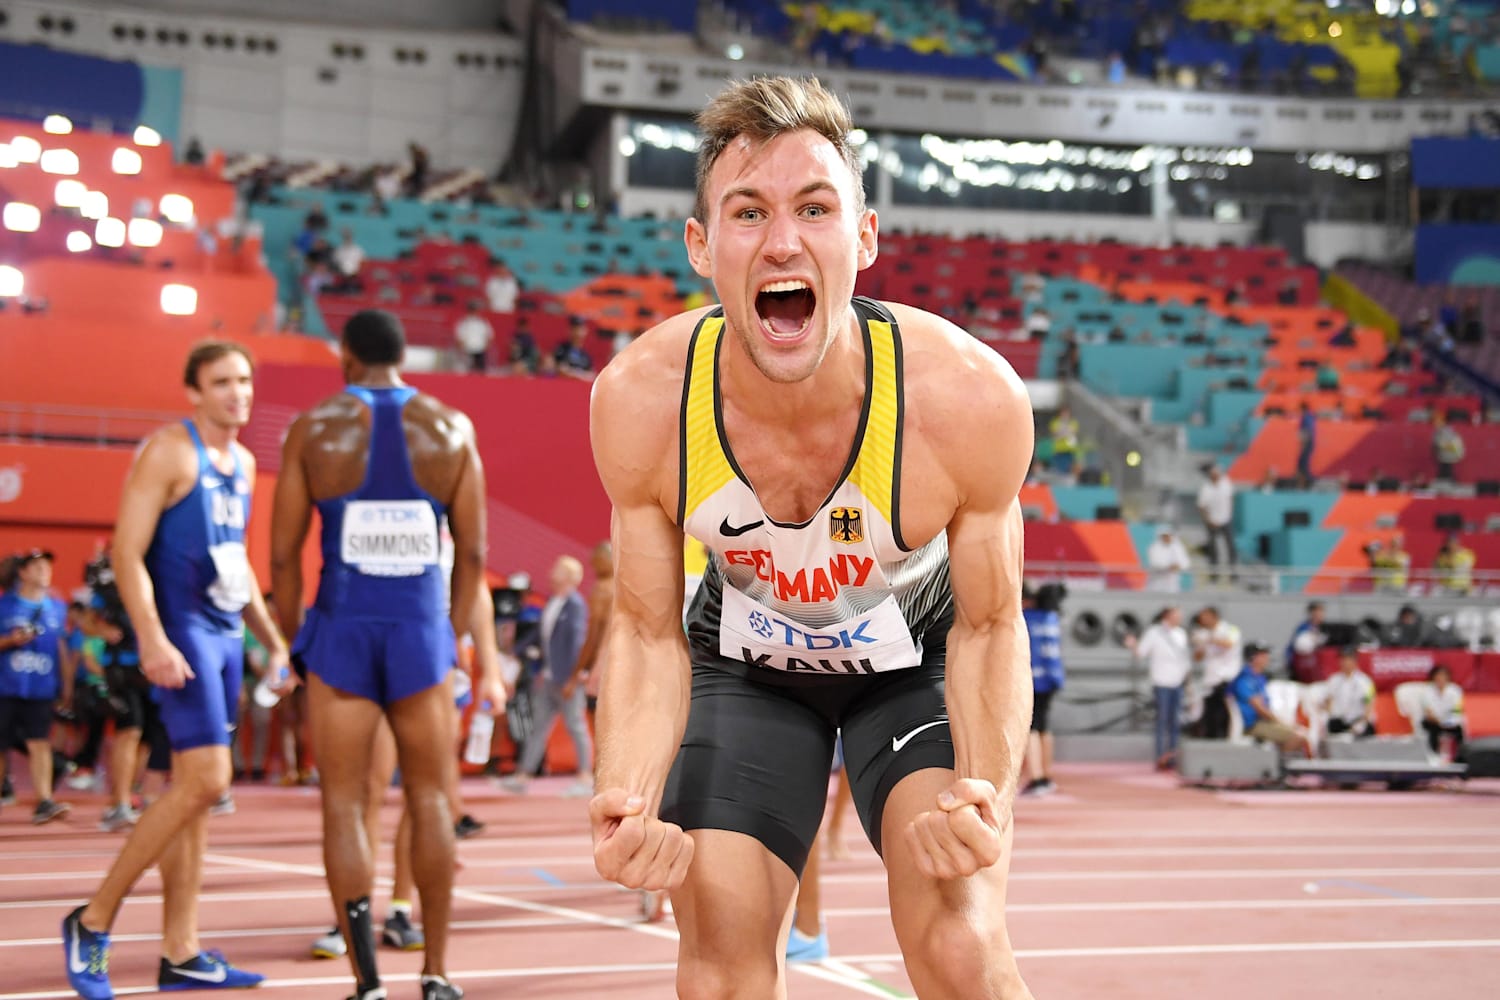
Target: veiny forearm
[
  {"x": 988, "y": 692},
  {"x": 643, "y": 710}
]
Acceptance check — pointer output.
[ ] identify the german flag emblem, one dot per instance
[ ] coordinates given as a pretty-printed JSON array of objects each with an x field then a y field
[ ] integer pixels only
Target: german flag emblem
[{"x": 846, "y": 524}]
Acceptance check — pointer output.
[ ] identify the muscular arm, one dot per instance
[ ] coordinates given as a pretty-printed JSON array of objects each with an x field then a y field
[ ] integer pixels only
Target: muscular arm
[
  {"x": 988, "y": 680},
  {"x": 466, "y": 522},
  {"x": 643, "y": 705},
  {"x": 291, "y": 514},
  {"x": 257, "y": 616},
  {"x": 148, "y": 491}
]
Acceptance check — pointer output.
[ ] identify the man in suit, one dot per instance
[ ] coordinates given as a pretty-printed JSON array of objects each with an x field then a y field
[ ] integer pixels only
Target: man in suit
[{"x": 565, "y": 622}]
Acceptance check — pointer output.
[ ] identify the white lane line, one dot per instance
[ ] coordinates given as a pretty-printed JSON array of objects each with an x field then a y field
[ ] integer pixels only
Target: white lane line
[
  {"x": 1207, "y": 873},
  {"x": 661, "y": 932},
  {"x": 314, "y": 931},
  {"x": 1266, "y": 948},
  {"x": 342, "y": 981},
  {"x": 1198, "y": 906}
]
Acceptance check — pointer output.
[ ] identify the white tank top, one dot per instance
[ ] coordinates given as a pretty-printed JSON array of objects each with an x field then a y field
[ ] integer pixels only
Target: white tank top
[{"x": 840, "y": 593}]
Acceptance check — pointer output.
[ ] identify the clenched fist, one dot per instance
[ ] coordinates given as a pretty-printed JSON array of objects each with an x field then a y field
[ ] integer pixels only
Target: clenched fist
[
  {"x": 963, "y": 835},
  {"x": 633, "y": 849}
]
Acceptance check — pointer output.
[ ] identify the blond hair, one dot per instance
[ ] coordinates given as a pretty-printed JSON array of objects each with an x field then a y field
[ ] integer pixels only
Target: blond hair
[{"x": 764, "y": 108}]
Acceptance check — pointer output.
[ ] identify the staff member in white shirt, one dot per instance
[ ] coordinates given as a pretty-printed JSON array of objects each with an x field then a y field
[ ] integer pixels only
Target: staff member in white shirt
[
  {"x": 473, "y": 334},
  {"x": 1350, "y": 697},
  {"x": 1169, "y": 659},
  {"x": 1442, "y": 709},
  {"x": 1216, "y": 505},
  {"x": 1216, "y": 643},
  {"x": 1168, "y": 559}
]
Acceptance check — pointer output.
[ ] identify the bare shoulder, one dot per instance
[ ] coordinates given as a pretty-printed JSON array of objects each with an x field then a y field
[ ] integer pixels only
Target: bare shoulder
[
  {"x": 167, "y": 451},
  {"x": 445, "y": 423},
  {"x": 636, "y": 401},
  {"x": 954, "y": 382}
]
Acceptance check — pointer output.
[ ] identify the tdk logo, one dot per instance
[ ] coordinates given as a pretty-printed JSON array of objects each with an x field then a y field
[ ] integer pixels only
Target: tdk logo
[
  {"x": 391, "y": 515},
  {"x": 790, "y": 634}
]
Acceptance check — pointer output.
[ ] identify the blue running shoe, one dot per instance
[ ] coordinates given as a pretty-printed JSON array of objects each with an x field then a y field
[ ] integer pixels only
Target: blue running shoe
[
  {"x": 87, "y": 957},
  {"x": 801, "y": 948},
  {"x": 207, "y": 970}
]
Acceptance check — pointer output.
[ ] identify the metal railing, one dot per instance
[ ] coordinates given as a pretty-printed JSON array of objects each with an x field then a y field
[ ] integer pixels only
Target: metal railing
[
  {"x": 1256, "y": 578},
  {"x": 103, "y": 428}
]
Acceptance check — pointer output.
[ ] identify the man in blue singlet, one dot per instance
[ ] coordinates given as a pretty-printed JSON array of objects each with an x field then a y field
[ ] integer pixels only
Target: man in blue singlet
[
  {"x": 31, "y": 625},
  {"x": 864, "y": 579},
  {"x": 180, "y": 565},
  {"x": 383, "y": 464}
]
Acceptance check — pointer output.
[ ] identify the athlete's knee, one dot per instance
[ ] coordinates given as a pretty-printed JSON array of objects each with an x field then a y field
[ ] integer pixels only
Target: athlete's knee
[
  {"x": 966, "y": 954},
  {"x": 203, "y": 774},
  {"x": 727, "y": 978}
]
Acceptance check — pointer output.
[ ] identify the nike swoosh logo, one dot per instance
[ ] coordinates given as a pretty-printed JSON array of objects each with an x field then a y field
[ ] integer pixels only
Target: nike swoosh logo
[
  {"x": 729, "y": 531},
  {"x": 75, "y": 960},
  {"x": 217, "y": 976},
  {"x": 897, "y": 742}
]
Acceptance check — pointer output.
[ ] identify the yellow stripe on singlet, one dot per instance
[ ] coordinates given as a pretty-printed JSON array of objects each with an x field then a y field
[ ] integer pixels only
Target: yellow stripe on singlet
[
  {"x": 875, "y": 469},
  {"x": 706, "y": 468}
]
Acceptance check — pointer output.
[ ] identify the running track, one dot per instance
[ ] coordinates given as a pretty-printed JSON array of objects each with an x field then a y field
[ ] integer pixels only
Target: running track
[{"x": 1124, "y": 885}]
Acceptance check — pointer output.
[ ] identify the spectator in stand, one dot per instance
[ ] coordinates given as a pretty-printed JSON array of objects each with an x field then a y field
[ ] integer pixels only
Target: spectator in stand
[
  {"x": 1307, "y": 638},
  {"x": 421, "y": 163},
  {"x": 1250, "y": 692},
  {"x": 193, "y": 155},
  {"x": 1033, "y": 288},
  {"x": 1442, "y": 709},
  {"x": 1216, "y": 644},
  {"x": 473, "y": 335},
  {"x": 1447, "y": 447},
  {"x": 1408, "y": 631},
  {"x": 1455, "y": 566},
  {"x": 1216, "y": 506},
  {"x": 571, "y": 356},
  {"x": 502, "y": 289},
  {"x": 1038, "y": 324},
  {"x": 348, "y": 258},
  {"x": 1470, "y": 322},
  {"x": 1389, "y": 565},
  {"x": 1114, "y": 69},
  {"x": 1168, "y": 657},
  {"x": 524, "y": 355},
  {"x": 1168, "y": 559},
  {"x": 1350, "y": 699},
  {"x": 387, "y": 188},
  {"x": 1063, "y": 429},
  {"x": 1070, "y": 362},
  {"x": 1307, "y": 435}
]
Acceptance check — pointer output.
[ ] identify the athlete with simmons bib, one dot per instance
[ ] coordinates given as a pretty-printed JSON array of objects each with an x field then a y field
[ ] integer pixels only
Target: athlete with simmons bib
[{"x": 865, "y": 576}]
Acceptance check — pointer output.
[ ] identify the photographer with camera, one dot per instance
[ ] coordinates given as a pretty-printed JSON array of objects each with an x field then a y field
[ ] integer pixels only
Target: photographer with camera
[
  {"x": 31, "y": 626},
  {"x": 1042, "y": 609}
]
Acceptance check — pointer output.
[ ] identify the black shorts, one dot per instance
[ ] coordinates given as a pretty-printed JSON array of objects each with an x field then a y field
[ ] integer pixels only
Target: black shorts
[
  {"x": 756, "y": 753},
  {"x": 1041, "y": 704},
  {"x": 135, "y": 709},
  {"x": 25, "y": 719}
]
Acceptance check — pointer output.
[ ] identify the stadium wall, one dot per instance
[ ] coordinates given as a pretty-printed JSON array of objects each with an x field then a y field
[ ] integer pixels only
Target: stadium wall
[{"x": 296, "y": 90}]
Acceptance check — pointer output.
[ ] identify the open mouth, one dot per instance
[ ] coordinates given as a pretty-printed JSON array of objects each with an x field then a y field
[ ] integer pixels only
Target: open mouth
[{"x": 785, "y": 308}]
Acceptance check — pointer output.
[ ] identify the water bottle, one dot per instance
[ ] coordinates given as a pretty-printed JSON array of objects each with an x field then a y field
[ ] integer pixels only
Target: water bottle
[
  {"x": 266, "y": 695},
  {"x": 481, "y": 728}
]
